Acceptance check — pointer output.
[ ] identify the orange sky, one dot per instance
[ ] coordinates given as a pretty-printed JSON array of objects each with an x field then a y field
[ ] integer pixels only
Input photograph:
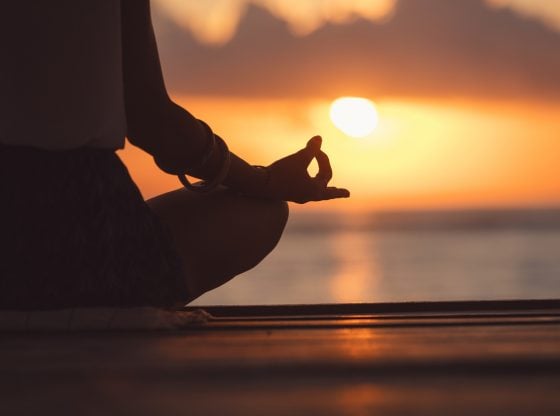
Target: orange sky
[{"x": 422, "y": 154}]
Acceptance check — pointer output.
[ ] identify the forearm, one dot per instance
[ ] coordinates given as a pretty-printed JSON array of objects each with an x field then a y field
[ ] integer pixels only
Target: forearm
[
  {"x": 245, "y": 178},
  {"x": 182, "y": 142}
]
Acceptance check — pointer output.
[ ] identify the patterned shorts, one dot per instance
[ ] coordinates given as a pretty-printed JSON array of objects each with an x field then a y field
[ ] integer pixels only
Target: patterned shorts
[{"x": 75, "y": 231}]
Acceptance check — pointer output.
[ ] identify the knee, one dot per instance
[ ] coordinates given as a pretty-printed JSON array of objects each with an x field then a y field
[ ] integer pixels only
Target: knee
[
  {"x": 279, "y": 213},
  {"x": 282, "y": 212},
  {"x": 260, "y": 229},
  {"x": 271, "y": 226}
]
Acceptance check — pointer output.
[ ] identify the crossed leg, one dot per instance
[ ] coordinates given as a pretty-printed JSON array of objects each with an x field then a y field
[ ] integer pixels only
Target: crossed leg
[{"x": 219, "y": 235}]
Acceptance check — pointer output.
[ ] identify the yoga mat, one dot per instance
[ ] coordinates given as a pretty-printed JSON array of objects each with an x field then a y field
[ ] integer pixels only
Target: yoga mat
[{"x": 100, "y": 319}]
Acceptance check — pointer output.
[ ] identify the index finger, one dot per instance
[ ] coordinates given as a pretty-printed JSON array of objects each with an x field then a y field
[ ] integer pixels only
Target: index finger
[
  {"x": 309, "y": 152},
  {"x": 325, "y": 170}
]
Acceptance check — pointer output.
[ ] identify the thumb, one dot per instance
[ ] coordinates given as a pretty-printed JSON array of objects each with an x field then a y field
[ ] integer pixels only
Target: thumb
[{"x": 325, "y": 170}]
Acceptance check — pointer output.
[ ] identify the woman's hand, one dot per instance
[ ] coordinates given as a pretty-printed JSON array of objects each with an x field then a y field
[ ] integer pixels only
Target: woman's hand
[{"x": 289, "y": 180}]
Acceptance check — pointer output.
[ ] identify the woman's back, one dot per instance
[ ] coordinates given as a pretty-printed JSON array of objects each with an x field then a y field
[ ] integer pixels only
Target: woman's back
[{"x": 61, "y": 75}]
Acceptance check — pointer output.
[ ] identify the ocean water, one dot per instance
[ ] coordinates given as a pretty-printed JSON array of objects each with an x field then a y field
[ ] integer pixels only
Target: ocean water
[{"x": 405, "y": 256}]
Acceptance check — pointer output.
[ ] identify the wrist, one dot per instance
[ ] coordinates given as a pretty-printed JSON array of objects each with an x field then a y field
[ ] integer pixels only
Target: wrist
[
  {"x": 255, "y": 184},
  {"x": 263, "y": 176}
]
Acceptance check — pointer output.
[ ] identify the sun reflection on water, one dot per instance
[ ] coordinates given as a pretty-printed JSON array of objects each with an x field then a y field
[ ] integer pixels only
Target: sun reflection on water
[{"x": 356, "y": 276}]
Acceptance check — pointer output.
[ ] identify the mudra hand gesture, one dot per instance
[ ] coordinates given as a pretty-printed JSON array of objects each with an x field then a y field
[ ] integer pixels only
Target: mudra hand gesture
[{"x": 289, "y": 180}]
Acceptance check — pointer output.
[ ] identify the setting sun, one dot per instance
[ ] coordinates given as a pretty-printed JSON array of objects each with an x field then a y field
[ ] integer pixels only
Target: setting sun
[{"x": 354, "y": 116}]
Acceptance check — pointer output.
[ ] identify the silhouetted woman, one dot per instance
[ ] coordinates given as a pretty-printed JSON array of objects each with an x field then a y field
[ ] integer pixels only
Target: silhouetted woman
[{"x": 76, "y": 77}]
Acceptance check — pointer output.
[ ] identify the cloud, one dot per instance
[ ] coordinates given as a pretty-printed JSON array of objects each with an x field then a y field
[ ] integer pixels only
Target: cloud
[
  {"x": 215, "y": 21},
  {"x": 309, "y": 15},
  {"x": 546, "y": 10},
  {"x": 211, "y": 21},
  {"x": 428, "y": 48}
]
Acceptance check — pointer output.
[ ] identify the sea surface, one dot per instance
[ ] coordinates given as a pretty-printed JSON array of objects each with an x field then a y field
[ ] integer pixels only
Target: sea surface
[{"x": 405, "y": 256}]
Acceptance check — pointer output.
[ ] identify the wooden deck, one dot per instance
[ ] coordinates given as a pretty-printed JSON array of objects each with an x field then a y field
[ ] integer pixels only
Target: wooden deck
[{"x": 456, "y": 358}]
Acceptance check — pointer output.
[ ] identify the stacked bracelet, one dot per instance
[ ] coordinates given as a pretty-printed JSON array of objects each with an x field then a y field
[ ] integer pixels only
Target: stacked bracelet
[
  {"x": 225, "y": 161},
  {"x": 208, "y": 150}
]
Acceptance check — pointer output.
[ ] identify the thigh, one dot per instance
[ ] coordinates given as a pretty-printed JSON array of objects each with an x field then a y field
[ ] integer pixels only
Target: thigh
[{"x": 220, "y": 234}]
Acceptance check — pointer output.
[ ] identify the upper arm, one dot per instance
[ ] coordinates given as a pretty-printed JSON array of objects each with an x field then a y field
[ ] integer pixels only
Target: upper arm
[
  {"x": 154, "y": 123},
  {"x": 144, "y": 88}
]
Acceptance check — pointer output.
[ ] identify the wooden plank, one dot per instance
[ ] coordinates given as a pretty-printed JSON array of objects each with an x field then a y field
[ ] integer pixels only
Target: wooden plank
[
  {"x": 485, "y": 306},
  {"x": 362, "y": 364}
]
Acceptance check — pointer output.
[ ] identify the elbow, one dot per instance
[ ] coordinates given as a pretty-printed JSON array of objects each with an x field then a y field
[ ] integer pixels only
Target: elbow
[{"x": 167, "y": 132}]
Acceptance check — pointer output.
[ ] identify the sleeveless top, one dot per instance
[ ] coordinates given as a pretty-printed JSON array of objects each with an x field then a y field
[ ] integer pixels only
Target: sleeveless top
[{"x": 61, "y": 82}]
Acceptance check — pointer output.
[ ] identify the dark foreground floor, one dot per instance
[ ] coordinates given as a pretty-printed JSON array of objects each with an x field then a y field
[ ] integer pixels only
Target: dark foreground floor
[{"x": 496, "y": 358}]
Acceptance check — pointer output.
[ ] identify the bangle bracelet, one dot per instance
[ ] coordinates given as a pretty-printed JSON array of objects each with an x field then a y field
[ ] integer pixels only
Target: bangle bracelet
[
  {"x": 207, "y": 186},
  {"x": 208, "y": 148},
  {"x": 201, "y": 159}
]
